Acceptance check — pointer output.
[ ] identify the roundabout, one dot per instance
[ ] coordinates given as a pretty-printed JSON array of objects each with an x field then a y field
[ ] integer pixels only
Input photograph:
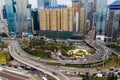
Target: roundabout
[{"x": 64, "y": 53}]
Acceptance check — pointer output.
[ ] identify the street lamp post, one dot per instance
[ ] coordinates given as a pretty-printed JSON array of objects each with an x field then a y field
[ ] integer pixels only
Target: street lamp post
[
  {"x": 58, "y": 34},
  {"x": 105, "y": 57}
]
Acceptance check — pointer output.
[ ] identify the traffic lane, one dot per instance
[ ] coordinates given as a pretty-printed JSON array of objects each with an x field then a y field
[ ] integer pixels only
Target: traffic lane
[
  {"x": 28, "y": 62},
  {"x": 9, "y": 77},
  {"x": 39, "y": 65},
  {"x": 36, "y": 65},
  {"x": 14, "y": 74}
]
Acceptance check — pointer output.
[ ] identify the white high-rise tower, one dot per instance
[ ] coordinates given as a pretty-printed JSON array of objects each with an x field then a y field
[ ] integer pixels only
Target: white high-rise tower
[{"x": 1, "y": 7}]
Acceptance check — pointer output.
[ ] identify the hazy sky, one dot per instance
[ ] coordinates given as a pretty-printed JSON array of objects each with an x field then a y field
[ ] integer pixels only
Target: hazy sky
[{"x": 67, "y": 2}]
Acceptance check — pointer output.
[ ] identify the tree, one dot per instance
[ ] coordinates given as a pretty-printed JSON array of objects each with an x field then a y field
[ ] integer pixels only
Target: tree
[{"x": 112, "y": 77}]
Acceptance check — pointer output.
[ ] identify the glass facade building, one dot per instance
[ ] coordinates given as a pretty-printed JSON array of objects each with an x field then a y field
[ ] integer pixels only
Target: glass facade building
[
  {"x": 10, "y": 15},
  {"x": 101, "y": 15},
  {"x": 42, "y": 3},
  {"x": 35, "y": 20},
  {"x": 114, "y": 21},
  {"x": 23, "y": 14},
  {"x": 115, "y": 25},
  {"x": 53, "y": 2},
  {"x": 1, "y": 8}
]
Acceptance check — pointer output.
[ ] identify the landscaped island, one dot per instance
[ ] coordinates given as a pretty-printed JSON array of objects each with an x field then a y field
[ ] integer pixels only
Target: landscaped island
[{"x": 44, "y": 49}]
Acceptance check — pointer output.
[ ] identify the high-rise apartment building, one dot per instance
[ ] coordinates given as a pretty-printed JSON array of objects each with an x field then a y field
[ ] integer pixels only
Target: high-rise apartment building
[
  {"x": 42, "y": 3},
  {"x": 80, "y": 16},
  {"x": 56, "y": 19},
  {"x": 101, "y": 15},
  {"x": 75, "y": 5}
]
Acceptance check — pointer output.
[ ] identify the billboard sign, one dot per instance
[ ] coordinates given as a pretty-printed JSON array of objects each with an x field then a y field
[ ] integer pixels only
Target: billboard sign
[
  {"x": 74, "y": 0},
  {"x": 54, "y": 7},
  {"x": 114, "y": 7}
]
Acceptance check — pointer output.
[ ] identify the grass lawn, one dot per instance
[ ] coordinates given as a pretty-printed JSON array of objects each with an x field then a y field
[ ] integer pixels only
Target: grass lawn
[
  {"x": 5, "y": 57},
  {"x": 94, "y": 78},
  {"x": 114, "y": 46},
  {"x": 114, "y": 61},
  {"x": 2, "y": 58},
  {"x": 79, "y": 53}
]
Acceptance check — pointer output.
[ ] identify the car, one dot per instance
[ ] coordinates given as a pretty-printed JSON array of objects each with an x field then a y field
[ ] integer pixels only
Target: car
[
  {"x": 37, "y": 65},
  {"x": 54, "y": 73},
  {"x": 94, "y": 74},
  {"x": 38, "y": 58},
  {"x": 116, "y": 70},
  {"x": 118, "y": 73},
  {"x": 111, "y": 69}
]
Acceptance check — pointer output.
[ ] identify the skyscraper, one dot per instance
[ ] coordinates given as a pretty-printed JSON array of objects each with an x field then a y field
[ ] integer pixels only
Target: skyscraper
[
  {"x": 83, "y": 19},
  {"x": 113, "y": 21},
  {"x": 101, "y": 15},
  {"x": 75, "y": 5},
  {"x": 10, "y": 15},
  {"x": 1, "y": 8},
  {"x": 53, "y": 2},
  {"x": 35, "y": 19},
  {"x": 23, "y": 12},
  {"x": 4, "y": 12},
  {"x": 42, "y": 3},
  {"x": 29, "y": 18}
]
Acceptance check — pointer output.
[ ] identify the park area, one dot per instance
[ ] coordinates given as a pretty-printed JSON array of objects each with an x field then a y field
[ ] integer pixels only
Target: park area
[
  {"x": 44, "y": 49},
  {"x": 4, "y": 54}
]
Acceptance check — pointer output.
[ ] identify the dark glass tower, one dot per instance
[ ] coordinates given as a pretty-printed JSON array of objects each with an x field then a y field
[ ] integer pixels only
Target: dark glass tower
[{"x": 10, "y": 15}]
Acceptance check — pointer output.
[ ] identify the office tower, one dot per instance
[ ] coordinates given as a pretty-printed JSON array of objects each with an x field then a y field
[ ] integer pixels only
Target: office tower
[
  {"x": 90, "y": 10},
  {"x": 35, "y": 20},
  {"x": 29, "y": 18},
  {"x": 22, "y": 12},
  {"x": 113, "y": 21},
  {"x": 10, "y": 15},
  {"x": 83, "y": 19},
  {"x": 56, "y": 19},
  {"x": 53, "y": 2},
  {"x": 42, "y": 3},
  {"x": 4, "y": 12},
  {"x": 101, "y": 15},
  {"x": 1, "y": 8},
  {"x": 118, "y": 37},
  {"x": 108, "y": 31}
]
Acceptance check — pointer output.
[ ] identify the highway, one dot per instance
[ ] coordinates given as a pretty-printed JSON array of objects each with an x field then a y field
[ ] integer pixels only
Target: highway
[
  {"x": 101, "y": 53},
  {"x": 26, "y": 60},
  {"x": 96, "y": 59}
]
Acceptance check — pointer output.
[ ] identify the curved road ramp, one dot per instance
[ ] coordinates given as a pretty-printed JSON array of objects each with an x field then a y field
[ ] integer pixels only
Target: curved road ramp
[{"x": 28, "y": 61}]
